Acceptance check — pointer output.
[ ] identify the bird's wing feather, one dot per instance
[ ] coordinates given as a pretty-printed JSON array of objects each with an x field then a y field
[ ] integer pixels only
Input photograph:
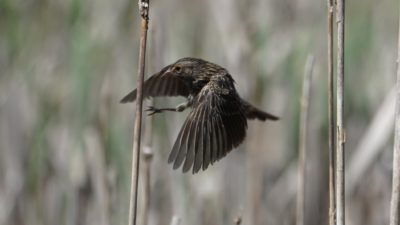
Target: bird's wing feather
[
  {"x": 160, "y": 84},
  {"x": 215, "y": 126}
]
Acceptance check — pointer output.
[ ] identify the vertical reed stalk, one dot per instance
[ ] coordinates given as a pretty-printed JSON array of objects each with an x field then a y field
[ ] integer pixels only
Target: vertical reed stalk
[
  {"x": 340, "y": 135},
  {"x": 147, "y": 159},
  {"x": 331, "y": 122},
  {"x": 144, "y": 13}
]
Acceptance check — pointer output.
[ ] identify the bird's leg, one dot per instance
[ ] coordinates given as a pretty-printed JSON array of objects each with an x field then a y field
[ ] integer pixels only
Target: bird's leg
[{"x": 152, "y": 110}]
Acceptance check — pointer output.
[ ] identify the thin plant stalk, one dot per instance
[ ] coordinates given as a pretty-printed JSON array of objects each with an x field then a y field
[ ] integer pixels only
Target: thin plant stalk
[
  {"x": 395, "y": 201},
  {"x": 331, "y": 122},
  {"x": 304, "y": 115},
  {"x": 147, "y": 154},
  {"x": 340, "y": 135},
  {"x": 147, "y": 159},
  {"x": 144, "y": 13}
]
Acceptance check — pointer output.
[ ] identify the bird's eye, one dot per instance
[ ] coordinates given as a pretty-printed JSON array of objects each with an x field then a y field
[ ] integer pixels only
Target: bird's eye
[{"x": 178, "y": 69}]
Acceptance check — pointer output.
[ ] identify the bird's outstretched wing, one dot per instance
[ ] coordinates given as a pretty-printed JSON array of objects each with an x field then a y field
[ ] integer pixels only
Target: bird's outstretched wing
[
  {"x": 213, "y": 128},
  {"x": 160, "y": 84}
]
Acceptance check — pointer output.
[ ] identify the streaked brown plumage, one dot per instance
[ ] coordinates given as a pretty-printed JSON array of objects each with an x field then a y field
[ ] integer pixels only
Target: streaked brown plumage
[{"x": 218, "y": 120}]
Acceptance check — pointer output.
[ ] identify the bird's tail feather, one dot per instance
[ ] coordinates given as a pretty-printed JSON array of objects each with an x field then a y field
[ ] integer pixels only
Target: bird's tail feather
[{"x": 254, "y": 113}]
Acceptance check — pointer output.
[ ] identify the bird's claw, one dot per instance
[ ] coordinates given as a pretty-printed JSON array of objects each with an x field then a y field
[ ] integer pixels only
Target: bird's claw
[{"x": 152, "y": 110}]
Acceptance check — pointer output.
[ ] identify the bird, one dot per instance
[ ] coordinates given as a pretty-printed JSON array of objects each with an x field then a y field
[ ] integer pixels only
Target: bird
[{"x": 217, "y": 122}]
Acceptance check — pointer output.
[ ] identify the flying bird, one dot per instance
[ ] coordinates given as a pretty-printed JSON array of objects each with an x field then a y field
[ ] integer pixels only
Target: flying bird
[{"x": 218, "y": 120}]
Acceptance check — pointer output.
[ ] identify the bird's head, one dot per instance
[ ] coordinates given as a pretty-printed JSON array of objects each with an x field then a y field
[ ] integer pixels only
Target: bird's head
[
  {"x": 183, "y": 68},
  {"x": 191, "y": 68}
]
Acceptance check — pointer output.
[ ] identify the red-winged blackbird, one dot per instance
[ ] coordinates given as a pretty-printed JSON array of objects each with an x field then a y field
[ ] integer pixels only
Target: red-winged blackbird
[{"x": 218, "y": 120}]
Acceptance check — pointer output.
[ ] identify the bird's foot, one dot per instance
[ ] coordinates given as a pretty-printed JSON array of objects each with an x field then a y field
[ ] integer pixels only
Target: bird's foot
[{"x": 152, "y": 110}]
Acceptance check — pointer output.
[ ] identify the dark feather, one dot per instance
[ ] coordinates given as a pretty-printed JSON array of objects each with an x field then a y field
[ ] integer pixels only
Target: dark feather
[
  {"x": 191, "y": 142},
  {"x": 254, "y": 113},
  {"x": 207, "y": 132},
  {"x": 160, "y": 84},
  {"x": 215, "y": 139},
  {"x": 182, "y": 145},
  {"x": 222, "y": 112},
  {"x": 199, "y": 149}
]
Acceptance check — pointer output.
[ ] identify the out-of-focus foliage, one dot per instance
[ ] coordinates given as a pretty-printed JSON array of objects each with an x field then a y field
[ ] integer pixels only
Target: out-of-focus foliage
[{"x": 65, "y": 141}]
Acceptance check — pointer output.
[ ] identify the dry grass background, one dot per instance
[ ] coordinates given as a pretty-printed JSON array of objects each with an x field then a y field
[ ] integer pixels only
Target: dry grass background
[{"x": 65, "y": 140}]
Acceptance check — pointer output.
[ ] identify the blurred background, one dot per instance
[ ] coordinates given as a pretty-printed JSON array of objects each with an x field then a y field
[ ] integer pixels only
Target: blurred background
[{"x": 65, "y": 141}]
